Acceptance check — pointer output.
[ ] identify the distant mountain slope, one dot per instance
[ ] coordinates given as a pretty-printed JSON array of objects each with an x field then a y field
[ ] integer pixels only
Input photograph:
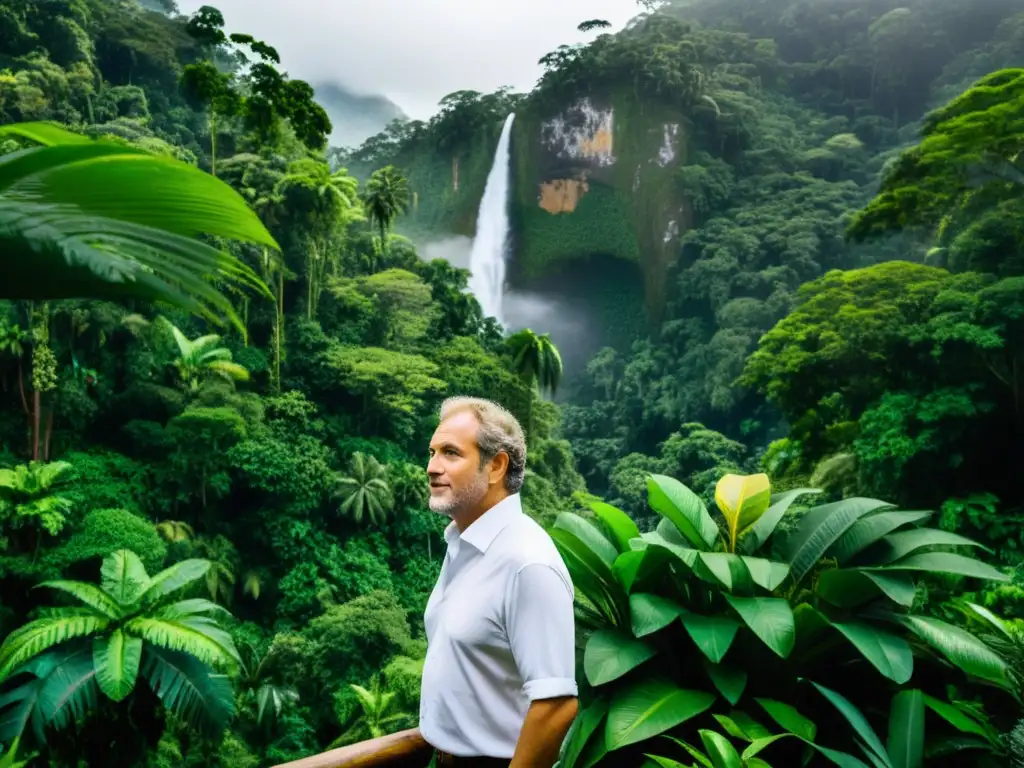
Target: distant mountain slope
[{"x": 356, "y": 117}]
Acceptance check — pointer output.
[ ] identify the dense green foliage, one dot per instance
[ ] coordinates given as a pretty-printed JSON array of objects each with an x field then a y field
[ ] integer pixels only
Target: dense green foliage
[{"x": 235, "y": 513}]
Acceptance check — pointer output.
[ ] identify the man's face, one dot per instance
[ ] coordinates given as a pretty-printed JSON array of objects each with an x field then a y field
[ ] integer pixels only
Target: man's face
[{"x": 457, "y": 481}]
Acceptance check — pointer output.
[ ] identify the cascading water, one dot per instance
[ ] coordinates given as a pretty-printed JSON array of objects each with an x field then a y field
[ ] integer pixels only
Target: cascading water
[{"x": 490, "y": 246}]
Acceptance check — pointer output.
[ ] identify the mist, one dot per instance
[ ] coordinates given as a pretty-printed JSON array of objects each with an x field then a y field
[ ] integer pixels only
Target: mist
[{"x": 415, "y": 53}]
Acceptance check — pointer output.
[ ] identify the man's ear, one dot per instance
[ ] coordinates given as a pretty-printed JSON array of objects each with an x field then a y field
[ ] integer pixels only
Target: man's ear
[{"x": 499, "y": 466}]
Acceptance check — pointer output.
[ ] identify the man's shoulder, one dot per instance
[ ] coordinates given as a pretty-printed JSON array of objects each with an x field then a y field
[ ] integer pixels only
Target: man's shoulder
[{"x": 529, "y": 544}]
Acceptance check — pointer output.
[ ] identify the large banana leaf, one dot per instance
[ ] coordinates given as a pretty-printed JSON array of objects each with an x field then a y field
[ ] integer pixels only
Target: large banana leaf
[
  {"x": 650, "y": 707},
  {"x": 84, "y": 218}
]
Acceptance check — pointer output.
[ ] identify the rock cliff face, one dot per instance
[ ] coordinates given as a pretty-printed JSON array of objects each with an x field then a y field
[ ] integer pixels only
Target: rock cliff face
[{"x": 599, "y": 177}]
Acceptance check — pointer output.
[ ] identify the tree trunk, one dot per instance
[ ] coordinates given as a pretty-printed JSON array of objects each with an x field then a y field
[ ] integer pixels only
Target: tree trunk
[
  {"x": 35, "y": 425},
  {"x": 49, "y": 434}
]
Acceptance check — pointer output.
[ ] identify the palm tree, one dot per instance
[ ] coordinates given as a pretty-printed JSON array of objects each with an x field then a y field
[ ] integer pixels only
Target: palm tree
[
  {"x": 536, "y": 360},
  {"x": 375, "y": 720},
  {"x": 255, "y": 681},
  {"x": 386, "y": 197},
  {"x": 91, "y": 218},
  {"x": 365, "y": 490},
  {"x": 201, "y": 357},
  {"x": 130, "y": 624}
]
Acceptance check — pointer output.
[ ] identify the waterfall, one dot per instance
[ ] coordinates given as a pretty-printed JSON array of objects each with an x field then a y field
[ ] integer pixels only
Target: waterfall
[{"x": 490, "y": 246}]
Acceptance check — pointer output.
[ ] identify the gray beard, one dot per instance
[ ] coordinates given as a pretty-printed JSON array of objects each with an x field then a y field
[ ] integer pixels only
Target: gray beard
[{"x": 463, "y": 500}]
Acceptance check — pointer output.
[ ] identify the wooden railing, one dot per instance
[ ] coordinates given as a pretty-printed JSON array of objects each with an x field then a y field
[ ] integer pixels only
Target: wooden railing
[{"x": 405, "y": 749}]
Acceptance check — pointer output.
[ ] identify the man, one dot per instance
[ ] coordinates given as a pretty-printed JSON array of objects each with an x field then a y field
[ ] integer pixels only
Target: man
[{"x": 499, "y": 682}]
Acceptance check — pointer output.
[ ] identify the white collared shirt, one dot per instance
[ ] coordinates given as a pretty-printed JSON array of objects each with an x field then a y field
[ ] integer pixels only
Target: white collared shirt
[{"x": 500, "y": 634}]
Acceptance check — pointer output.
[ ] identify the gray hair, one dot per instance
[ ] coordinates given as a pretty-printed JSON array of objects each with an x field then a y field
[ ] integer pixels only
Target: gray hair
[{"x": 498, "y": 431}]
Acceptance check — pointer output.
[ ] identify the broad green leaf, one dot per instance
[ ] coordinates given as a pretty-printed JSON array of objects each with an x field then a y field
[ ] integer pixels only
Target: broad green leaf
[
  {"x": 961, "y": 648},
  {"x": 590, "y": 575},
  {"x": 872, "y": 744},
  {"x": 581, "y": 731},
  {"x": 722, "y": 753},
  {"x": 898, "y": 587},
  {"x": 712, "y": 634},
  {"x": 635, "y": 568},
  {"x": 900, "y": 544},
  {"x": 870, "y": 529},
  {"x": 850, "y": 587},
  {"x": 45, "y": 133},
  {"x": 906, "y": 730},
  {"x": 842, "y": 759},
  {"x": 769, "y": 521},
  {"x": 123, "y": 576},
  {"x": 761, "y": 744},
  {"x": 612, "y": 653},
  {"x": 770, "y": 618},
  {"x": 820, "y": 528},
  {"x": 716, "y": 568},
  {"x": 750, "y": 729},
  {"x": 654, "y": 539},
  {"x": 947, "y": 562},
  {"x": 588, "y": 533},
  {"x": 729, "y": 680},
  {"x": 627, "y": 566},
  {"x": 742, "y": 500},
  {"x": 674, "y": 501},
  {"x": 730, "y": 726},
  {"x": 696, "y": 754},
  {"x": 664, "y": 762},
  {"x": 646, "y": 709},
  {"x": 788, "y": 718},
  {"x": 117, "y": 658},
  {"x": 991, "y": 619},
  {"x": 619, "y": 524},
  {"x": 649, "y": 613},
  {"x": 890, "y": 654},
  {"x": 766, "y": 573},
  {"x": 956, "y": 717}
]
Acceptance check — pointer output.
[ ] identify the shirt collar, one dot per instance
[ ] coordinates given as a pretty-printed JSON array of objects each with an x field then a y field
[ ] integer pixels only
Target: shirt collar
[{"x": 482, "y": 532}]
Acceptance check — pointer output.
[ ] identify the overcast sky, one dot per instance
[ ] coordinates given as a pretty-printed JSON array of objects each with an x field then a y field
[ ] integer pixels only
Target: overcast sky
[{"x": 416, "y": 51}]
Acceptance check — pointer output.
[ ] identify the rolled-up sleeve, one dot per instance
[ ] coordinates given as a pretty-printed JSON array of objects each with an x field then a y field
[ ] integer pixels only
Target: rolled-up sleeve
[{"x": 541, "y": 632}]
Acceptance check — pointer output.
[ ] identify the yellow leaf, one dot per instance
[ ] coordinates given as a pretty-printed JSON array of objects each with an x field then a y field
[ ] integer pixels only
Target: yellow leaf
[{"x": 742, "y": 499}]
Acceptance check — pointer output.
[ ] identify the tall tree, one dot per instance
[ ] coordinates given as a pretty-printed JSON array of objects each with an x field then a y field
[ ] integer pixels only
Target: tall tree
[{"x": 386, "y": 197}]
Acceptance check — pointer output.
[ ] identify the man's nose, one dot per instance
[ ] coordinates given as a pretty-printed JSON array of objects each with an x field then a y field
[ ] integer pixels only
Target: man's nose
[{"x": 434, "y": 467}]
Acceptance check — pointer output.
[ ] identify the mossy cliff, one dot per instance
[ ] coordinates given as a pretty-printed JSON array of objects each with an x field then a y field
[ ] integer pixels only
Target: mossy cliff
[
  {"x": 596, "y": 177},
  {"x": 599, "y": 177}
]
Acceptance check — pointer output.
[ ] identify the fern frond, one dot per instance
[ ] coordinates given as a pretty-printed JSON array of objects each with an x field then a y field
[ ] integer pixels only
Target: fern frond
[{"x": 192, "y": 607}]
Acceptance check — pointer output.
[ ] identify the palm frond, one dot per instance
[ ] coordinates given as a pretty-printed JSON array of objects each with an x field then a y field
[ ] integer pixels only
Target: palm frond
[
  {"x": 189, "y": 689},
  {"x": 198, "y": 635},
  {"x": 90, "y": 594},
  {"x": 192, "y": 607},
  {"x": 174, "y": 578},
  {"x": 37, "y": 636},
  {"x": 62, "y": 689},
  {"x": 105, "y": 220}
]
